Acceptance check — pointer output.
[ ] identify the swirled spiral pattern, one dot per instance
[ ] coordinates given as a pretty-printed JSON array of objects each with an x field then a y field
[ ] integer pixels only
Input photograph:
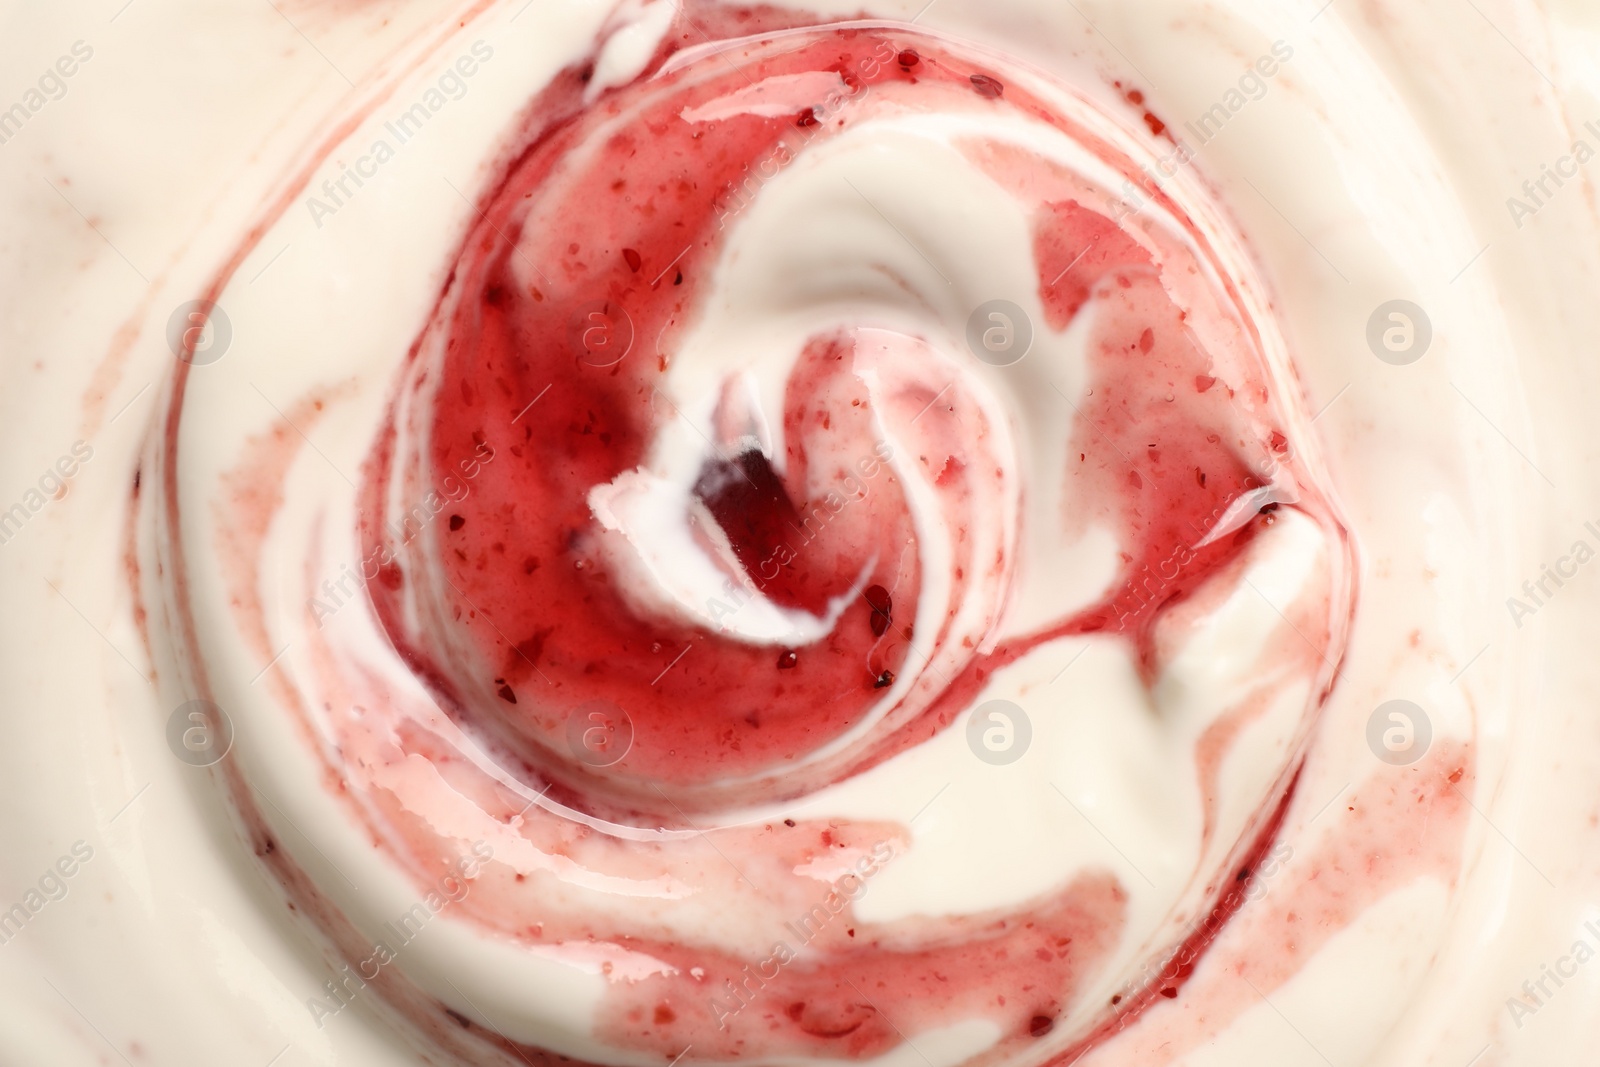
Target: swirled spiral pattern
[{"x": 695, "y": 530}]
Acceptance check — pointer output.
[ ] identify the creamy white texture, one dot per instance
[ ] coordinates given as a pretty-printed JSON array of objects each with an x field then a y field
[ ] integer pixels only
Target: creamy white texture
[
  {"x": 1351, "y": 159},
  {"x": 999, "y": 838}
]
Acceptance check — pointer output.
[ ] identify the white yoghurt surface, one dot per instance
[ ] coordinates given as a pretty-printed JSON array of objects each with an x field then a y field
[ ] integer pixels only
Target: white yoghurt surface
[{"x": 1429, "y": 893}]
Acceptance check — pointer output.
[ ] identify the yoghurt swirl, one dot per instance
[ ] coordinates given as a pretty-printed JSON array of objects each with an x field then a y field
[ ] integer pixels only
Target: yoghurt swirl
[{"x": 693, "y": 559}]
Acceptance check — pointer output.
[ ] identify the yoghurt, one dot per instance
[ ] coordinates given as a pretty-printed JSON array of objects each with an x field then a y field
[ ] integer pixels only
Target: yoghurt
[{"x": 707, "y": 534}]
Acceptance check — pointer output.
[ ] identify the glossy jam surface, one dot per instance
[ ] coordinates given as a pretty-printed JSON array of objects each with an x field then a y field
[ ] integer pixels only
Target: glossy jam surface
[{"x": 567, "y": 312}]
